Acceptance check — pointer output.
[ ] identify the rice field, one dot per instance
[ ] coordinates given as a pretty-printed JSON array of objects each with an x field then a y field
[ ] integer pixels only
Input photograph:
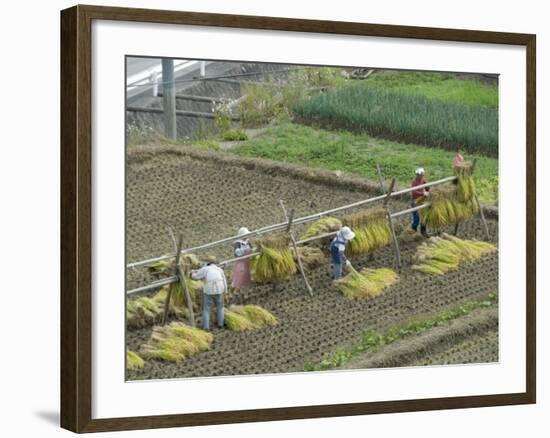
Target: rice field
[{"x": 162, "y": 190}]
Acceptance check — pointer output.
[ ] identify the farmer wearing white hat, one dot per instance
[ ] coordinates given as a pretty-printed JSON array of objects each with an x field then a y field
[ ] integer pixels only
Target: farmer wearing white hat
[
  {"x": 337, "y": 251},
  {"x": 241, "y": 271},
  {"x": 215, "y": 285},
  {"x": 418, "y": 180}
]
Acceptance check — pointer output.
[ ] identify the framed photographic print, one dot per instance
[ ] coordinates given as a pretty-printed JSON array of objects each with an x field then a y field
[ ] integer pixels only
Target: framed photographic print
[{"x": 268, "y": 218}]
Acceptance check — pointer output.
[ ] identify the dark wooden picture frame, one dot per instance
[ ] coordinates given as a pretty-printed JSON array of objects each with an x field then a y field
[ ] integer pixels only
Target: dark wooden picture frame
[{"x": 76, "y": 218}]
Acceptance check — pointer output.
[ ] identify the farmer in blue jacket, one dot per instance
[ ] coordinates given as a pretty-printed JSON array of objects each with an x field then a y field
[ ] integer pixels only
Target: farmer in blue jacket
[{"x": 337, "y": 251}]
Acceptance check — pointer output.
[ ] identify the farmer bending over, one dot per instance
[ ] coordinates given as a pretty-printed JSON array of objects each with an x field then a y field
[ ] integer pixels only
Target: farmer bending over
[
  {"x": 215, "y": 285},
  {"x": 417, "y": 181},
  {"x": 337, "y": 251}
]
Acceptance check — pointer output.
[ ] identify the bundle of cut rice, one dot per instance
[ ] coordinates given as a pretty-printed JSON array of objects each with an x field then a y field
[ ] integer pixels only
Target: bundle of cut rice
[
  {"x": 249, "y": 317},
  {"x": 144, "y": 311},
  {"x": 371, "y": 228},
  {"x": 368, "y": 283},
  {"x": 275, "y": 261},
  {"x": 465, "y": 187},
  {"x": 312, "y": 257},
  {"x": 134, "y": 361},
  {"x": 187, "y": 261},
  {"x": 445, "y": 208},
  {"x": 175, "y": 342},
  {"x": 440, "y": 255},
  {"x": 179, "y": 299},
  {"x": 322, "y": 226}
]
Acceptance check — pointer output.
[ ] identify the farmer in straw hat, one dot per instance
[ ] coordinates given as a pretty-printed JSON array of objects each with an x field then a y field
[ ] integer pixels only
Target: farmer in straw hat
[
  {"x": 417, "y": 181},
  {"x": 215, "y": 285},
  {"x": 337, "y": 251},
  {"x": 241, "y": 271}
]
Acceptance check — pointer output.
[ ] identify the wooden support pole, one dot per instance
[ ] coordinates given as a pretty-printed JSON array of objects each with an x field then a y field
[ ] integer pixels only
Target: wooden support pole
[
  {"x": 171, "y": 288},
  {"x": 295, "y": 246},
  {"x": 481, "y": 213},
  {"x": 396, "y": 249},
  {"x": 183, "y": 282}
]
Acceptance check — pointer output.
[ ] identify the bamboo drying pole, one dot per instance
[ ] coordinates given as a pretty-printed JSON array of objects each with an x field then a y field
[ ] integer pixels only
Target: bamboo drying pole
[
  {"x": 293, "y": 239},
  {"x": 174, "y": 279},
  {"x": 270, "y": 228},
  {"x": 479, "y": 206},
  {"x": 282, "y": 226},
  {"x": 410, "y": 210}
]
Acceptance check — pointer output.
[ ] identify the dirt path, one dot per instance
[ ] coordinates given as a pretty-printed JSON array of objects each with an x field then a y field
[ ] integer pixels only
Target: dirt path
[{"x": 209, "y": 199}]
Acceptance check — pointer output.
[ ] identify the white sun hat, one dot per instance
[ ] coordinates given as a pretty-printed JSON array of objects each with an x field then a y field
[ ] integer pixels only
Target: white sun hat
[
  {"x": 242, "y": 231},
  {"x": 420, "y": 171},
  {"x": 346, "y": 233}
]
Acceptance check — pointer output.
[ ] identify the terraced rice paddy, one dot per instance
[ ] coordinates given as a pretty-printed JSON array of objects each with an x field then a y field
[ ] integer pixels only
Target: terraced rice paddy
[{"x": 208, "y": 196}]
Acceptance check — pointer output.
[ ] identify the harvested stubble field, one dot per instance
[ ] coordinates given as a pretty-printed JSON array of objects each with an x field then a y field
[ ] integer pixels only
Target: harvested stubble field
[{"x": 208, "y": 195}]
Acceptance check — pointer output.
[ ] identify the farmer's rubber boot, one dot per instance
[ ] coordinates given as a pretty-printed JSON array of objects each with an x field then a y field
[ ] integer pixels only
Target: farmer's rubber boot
[{"x": 423, "y": 231}]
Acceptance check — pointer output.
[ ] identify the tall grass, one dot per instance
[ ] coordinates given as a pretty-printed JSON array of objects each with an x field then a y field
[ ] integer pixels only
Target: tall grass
[
  {"x": 442, "y": 86},
  {"x": 404, "y": 117}
]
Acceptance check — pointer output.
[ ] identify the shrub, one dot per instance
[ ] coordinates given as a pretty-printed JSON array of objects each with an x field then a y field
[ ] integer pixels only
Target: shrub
[{"x": 234, "y": 135}]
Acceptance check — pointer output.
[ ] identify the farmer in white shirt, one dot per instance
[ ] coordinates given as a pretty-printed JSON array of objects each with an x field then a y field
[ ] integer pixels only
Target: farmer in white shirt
[{"x": 215, "y": 285}]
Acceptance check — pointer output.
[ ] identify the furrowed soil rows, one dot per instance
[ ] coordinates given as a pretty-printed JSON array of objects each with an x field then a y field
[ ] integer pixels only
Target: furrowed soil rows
[
  {"x": 208, "y": 198},
  {"x": 468, "y": 339}
]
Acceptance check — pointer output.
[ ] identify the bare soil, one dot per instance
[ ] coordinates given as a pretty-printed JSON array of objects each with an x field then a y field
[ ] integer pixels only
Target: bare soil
[{"x": 209, "y": 196}]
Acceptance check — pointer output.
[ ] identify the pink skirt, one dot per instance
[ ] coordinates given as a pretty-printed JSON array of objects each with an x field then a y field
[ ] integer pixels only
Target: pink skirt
[{"x": 241, "y": 274}]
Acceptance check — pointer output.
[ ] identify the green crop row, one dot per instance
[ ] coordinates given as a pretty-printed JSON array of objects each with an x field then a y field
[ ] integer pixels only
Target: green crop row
[{"x": 404, "y": 117}]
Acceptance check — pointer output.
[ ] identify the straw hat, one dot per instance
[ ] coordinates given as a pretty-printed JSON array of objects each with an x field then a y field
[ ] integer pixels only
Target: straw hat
[
  {"x": 242, "y": 231},
  {"x": 210, "y": 259},
  {"x": 346, "y": 233}
]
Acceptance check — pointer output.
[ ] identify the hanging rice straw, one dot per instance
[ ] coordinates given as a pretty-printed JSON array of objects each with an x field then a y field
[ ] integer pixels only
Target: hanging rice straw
[
  {"x": 445, "y": 208},
  {"x": 275, "y": 261},
  {"x": 322, "y": 226},
  {"x": 465, "y": 187},
  {"x": 371, "y": 228}
]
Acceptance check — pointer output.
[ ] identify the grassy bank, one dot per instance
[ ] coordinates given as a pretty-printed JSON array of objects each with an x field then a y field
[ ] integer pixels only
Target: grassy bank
[
  {"x": 359, "y": 154},
  {"x": 403, "y": 117}
]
